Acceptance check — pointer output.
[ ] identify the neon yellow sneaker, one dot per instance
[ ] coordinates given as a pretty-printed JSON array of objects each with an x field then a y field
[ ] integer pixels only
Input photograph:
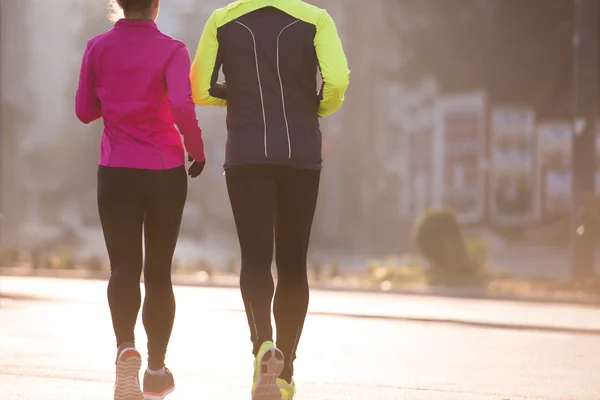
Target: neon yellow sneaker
[
  {"x": 268, "y": 364},
  {"x": 288, "y": 390}
]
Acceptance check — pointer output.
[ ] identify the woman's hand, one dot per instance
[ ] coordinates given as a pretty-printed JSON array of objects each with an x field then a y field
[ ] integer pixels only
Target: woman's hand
[{"x": 196, "y": 168}]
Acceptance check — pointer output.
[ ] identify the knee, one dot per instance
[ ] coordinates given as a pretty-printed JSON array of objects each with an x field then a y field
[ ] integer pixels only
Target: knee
[
  {"x": 126, "y": 273},
  {"x": 294, "y": 274},
  {"x": 256, "y": 264},
  {"x": 157, "y": 277},
  {"x": 292, "y": 266}
]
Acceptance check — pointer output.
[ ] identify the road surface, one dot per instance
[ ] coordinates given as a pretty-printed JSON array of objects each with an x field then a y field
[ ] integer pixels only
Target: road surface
[{"x": 56, "y": 343}]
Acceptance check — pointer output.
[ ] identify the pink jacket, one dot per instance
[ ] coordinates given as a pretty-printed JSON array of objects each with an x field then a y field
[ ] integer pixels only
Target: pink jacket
[{"x": 137, "y": 79}]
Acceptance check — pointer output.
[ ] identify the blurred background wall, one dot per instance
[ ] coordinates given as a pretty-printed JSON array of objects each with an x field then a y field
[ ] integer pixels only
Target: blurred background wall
[{"x": 446, "y": 104}]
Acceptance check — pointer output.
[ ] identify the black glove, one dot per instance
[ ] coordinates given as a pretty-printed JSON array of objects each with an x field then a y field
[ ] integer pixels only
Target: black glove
[
  {"x": 219, "y": 90},
  {"x": 196, "y": 168}
]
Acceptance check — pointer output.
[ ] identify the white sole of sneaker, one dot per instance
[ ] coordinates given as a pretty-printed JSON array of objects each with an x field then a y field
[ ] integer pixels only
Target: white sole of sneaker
[
  {"x": 148, "y": 396},
  {"x": 268, "y": 371},
  {"x": 127, "y": 386}
]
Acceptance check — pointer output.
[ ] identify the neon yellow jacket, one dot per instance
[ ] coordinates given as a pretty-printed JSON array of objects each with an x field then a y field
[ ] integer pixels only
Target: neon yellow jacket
[{"x": 330, "y": 54}]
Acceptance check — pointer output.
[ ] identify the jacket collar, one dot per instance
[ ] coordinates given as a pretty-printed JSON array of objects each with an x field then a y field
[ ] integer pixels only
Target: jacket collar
[{"x": 138, "y": 23}]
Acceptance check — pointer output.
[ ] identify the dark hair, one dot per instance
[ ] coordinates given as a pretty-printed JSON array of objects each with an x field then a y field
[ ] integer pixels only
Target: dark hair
[{"x": 135, "y": 5}]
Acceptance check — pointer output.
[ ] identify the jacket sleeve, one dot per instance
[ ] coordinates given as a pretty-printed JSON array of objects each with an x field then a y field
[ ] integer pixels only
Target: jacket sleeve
[
  {"x": 333, "y": 65},
  {"x": 180, "y": 101},
  {"x": 87, "y": 104},
  {"x": 206, "y": 91}
]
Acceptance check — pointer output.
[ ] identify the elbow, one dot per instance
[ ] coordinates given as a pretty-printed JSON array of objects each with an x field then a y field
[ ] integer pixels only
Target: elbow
[
  {"x": 338, "y": 90},
  {"x": 340, "y": 80},
  {"x": 86, "y": 117},
  {"x": 87, "y": 111},
  {"x": 339, "y": 84},
  {"x": 202, "y": 99},
  {"x": 205, "y": 99},
  {"x": 200, "y": 95}
]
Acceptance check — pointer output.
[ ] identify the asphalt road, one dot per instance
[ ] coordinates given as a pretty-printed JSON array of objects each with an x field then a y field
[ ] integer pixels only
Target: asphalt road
[{"x": 59, "y": 346}]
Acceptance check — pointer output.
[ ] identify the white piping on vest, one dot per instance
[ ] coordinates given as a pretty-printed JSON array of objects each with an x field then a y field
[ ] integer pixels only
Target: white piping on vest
[
  {"x": 262, "y": 100},
  {"x": 287, "y": 127}
]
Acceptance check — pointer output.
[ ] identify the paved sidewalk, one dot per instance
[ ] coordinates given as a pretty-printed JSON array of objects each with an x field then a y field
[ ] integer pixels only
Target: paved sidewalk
[{"x": 62, "y": 349}]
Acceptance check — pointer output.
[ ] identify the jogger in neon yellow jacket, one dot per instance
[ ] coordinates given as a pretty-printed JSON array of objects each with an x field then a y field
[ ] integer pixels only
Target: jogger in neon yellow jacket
[
  {"x": 270, "y": 90},
  {"x": 271, "y": 53}
]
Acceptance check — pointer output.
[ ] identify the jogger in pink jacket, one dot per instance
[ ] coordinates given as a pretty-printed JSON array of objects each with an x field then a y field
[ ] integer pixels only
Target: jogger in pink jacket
[{"x": 136, "y": 79}]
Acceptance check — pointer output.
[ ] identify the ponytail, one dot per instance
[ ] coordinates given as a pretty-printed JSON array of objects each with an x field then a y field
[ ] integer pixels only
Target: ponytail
[{"x": 115, "y": 12}]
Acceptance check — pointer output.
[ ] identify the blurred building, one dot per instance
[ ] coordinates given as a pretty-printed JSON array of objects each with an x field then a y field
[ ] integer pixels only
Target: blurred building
[{"x": 394, "y": 149}]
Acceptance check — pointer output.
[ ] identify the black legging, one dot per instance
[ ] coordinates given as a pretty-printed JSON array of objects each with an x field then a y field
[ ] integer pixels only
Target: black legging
[
  {"x": 267, "y": 198},
  {"x": 129, "y": 199}
]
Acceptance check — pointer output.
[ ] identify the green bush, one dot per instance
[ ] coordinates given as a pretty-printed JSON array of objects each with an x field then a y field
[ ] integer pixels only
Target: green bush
[{"x": 438, "y": 236}]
